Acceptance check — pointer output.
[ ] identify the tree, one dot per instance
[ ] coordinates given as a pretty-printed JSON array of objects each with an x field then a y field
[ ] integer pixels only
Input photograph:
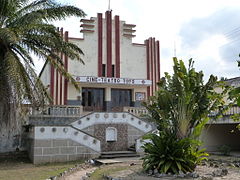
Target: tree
[
  {"x": 180, "y": 110},
  {"x": 234, "y": 96},
  {"x": 25, "y": 28}
]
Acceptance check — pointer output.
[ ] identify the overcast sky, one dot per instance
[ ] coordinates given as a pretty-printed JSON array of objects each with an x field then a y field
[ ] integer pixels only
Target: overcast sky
[{"x": 206, "y": 30}]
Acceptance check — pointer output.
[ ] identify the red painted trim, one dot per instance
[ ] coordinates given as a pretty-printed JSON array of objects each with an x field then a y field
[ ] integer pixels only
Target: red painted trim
[
  {"x": 61, "y": 78},
  {"x": 154, "y": 65},
  {"x": 138, "y": 44},
  {"x": 56, "y": 95},
  {"x": 148, "y": 65},
  {"x": 117, "y": 45},
  {"x": 151, "y": 64},
  {"x": 130, "y": 25},
  {"x": 129, "y": 35},
  {"x": 52, "y": 82},
  {"x": 87, "y": 20},
  {"x": 66, "y": 68},
  {"x": 75, "y": 38},
  {"x": 87, "y": 25},
  {"x": 100, "y": 44},
  {"x": 109, "y": 42},
  {"x": 86, "y": 31},
  {"x": 158, "y": 61},
  {"x": 129, "y": 30}
]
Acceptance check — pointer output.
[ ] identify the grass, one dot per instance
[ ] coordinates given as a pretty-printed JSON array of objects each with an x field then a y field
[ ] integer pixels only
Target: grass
[
  {"x": 20, "y": 168},
  {"x": 105, "y": 170},
  {"x": 115, "y": 170}
]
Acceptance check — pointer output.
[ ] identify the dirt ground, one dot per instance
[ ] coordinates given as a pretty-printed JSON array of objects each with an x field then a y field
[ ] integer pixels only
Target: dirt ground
[{"x": 132, "y": 170}]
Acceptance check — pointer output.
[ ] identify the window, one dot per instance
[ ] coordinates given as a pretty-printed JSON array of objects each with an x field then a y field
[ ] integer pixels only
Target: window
[
  {"x": 103, "y": 70},
  {"x": 113, "y": 70}
]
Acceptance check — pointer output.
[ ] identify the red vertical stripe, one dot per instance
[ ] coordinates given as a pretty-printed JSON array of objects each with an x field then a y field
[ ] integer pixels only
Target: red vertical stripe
[
  {"x": 151, "y": 64},
  {"x": 148, "y": 65},
  {"x": 61, "y": 83},
  {"x": 158, "y": 62},
  {"x": 66, "y": 68},
  {"x": 109, "y": 42},
  {"x": 154, "y": 65},
  {"x": 117, "y": 45},
  {"x": 52, "y": 83},
  {"x": 100, "y": 42}
]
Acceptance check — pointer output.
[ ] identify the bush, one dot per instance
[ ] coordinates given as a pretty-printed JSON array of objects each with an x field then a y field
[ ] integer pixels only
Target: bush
[
  {"x": 170, "y": 155},
  {"x": 180, "y": 111}
]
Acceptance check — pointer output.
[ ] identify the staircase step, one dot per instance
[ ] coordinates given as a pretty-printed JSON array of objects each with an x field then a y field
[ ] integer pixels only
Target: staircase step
[{"x": 118, "y": 154}]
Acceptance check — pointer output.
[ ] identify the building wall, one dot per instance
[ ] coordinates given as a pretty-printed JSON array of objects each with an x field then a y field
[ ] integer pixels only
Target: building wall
[
  {"x": 110, "y": 46},
  {"x": 216, "y": 135},
  {"x": 126, "y": 136}
]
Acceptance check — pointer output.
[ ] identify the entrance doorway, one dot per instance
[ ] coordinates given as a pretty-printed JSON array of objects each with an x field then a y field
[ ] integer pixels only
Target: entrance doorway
[
  {"x": 93, "y": 99},
  {"x": 121, "y": 98}
]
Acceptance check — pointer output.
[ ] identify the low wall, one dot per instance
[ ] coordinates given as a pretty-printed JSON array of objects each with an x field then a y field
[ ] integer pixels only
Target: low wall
[
  {"x": 59, "y": 150},
  {"x": 60, "y": 144}
]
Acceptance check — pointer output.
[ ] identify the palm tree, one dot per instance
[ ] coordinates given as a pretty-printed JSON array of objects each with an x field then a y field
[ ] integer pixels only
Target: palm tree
[{"x": 25, "y": 28}]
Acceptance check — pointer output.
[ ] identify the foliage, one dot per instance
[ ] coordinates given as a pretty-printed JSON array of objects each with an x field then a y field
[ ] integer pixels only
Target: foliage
[
  {"x": 167, "y": 154},
  {"x": 234, "y": 96},
  {"x": 25, "y": 28},
  {"x": 180, "y": 110}
]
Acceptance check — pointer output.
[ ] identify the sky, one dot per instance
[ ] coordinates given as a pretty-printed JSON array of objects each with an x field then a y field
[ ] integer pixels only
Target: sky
[{"x": 206, "y": 30}]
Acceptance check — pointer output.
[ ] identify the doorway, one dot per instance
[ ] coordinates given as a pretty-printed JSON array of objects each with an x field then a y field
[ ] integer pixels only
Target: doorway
[
  {"x": 93, "y": 99},
  {"x": 120, "y": 98}
]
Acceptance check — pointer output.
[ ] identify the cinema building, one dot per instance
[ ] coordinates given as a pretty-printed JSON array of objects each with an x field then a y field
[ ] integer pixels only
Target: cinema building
[
  {"x": 105, "y": 114},
  {"x": 117, "y": 73}
]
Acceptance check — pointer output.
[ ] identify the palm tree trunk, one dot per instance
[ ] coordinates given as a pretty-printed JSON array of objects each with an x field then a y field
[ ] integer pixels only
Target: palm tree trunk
[{"x": 10, "y": 125}]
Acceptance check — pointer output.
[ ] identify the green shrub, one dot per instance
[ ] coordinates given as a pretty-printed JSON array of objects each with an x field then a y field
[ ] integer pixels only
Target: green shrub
[
  {"x": 170, "y": 155},
  {"x": 180, "y": 111}
]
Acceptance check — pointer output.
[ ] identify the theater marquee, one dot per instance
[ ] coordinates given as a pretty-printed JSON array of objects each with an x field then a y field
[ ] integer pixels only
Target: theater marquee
[{"x": 112, "y": 80}]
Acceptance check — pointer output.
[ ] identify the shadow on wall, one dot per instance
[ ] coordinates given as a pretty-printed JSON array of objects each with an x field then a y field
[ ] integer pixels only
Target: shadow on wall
[{"x": 215, "y": 136}]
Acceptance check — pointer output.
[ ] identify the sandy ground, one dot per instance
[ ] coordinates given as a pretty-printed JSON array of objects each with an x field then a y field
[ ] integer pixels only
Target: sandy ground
[
  {"x": 79, "y": 175},
  {"x": 133, "y": 171}
]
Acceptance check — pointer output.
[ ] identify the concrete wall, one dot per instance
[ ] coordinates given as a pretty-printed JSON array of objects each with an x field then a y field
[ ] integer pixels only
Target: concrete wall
[
  {"x": 122, "y": 137},
  {"x": 112, "y": 118},
  {"x": 216, "y": 135},
  {"x": 59, "y": 150},
  {"x": 129, "y": 128},
  {"x": 60, "y": 144},
  {"x": 126, "y": 136},
  {"x": 133, "y": 135}
]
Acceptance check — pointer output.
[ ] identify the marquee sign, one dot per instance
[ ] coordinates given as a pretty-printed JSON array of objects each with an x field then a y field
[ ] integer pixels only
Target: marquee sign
[{"x": 112, "y": 80}]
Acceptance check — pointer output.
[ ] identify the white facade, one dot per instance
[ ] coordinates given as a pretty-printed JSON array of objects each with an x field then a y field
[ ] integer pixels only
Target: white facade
[{"x": 113, "y": 67}]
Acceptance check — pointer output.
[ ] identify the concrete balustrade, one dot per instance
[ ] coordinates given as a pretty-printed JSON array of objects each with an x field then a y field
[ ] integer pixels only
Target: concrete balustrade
[
  {"x": 66, "y": 132},
  {"x": 56, "y": 110},
  {"x": 112, "y": 118},
  {"x": 137, "y": 111}
]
